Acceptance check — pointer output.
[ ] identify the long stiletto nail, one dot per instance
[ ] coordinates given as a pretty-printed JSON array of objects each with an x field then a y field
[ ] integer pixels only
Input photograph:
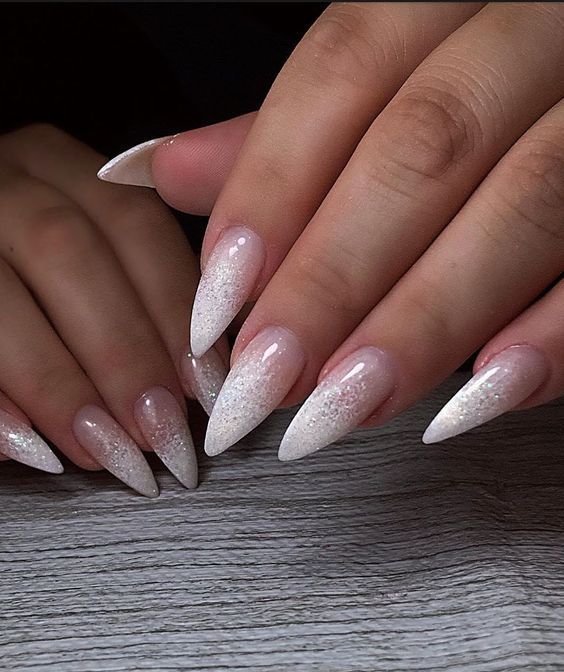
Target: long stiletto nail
[
  {"x": 262, "y": 376},
  {"x": 227, "y": 281},
  {"x": 165, "y": 429},
  {"x": 341, "y": 401},
  {"x": 108, "y": 443},
  {"x": 504, "y": 382},
  {"x": 19, "y": 442},
  {"x": 204, "y": 376},
  {"x": 133, "y": 166}
]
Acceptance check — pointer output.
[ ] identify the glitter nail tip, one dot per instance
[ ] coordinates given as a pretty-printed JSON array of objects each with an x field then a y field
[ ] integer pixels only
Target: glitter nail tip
[
  {"x": 102, "y": 437},
  {"x": 164, "y": 427},
  {"x": 503, "y": 383},
  {"x": 133, "y": 166},
  {"x": 262, "y": 376},
  {"x": 343, "y": 399},
  {"x": 20, "y": 443},
  {"x": 226, "y": 283},
  {"x": 204, "y": 376}
]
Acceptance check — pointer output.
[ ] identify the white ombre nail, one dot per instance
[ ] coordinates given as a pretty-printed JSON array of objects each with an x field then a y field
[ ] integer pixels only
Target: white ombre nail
[
  {"x": 262, "y": 376},
  {"x": 165, "y": 429},
  {"x": 204, "y": 376},
  {"x": 228, "y": 279},
  {"x": 133, "y": 166},
  {"x": 19, "y": 442},
  {"x": 343, "y": 399},
  {"x": 503, "y": 383},
  {"x": 102, "y": 437}
]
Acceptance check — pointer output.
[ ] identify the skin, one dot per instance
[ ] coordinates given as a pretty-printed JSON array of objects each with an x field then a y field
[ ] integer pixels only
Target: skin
[
  {"x": 435, "y": 217},
  {"x": 97, "y": 287}
]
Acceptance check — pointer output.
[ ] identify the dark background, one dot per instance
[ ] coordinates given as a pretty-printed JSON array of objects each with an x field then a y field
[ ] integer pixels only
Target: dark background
[{"x": 116, "y": 74}]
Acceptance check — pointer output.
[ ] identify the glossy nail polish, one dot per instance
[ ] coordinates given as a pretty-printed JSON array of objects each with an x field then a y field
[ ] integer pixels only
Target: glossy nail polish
[
  {"x": 262, "y": 376},
  {"x": 101, "y": 436},
  {"x": 228, "y": 279},
  {"x": 164, "y": 427},
  {"x": 204, "y": 376},
  {"x": 350, "y": 392},
  {"x": 19, "y": 442},
  {"x": 132, "y": 166},
  {"x": 505, "y": 381}
]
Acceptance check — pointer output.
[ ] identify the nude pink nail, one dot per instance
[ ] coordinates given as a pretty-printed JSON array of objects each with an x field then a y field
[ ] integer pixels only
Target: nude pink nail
[
  {"x": 262, "y": 376},
  {"x": 102, "y": 437},
  {"x": 349, "y": 393},
  {"x": 19, "y": 442},
  {"x": 504, "y": 382},
  {"x": 133, "y": 166},
  {"x": 227, "y": 281},
  {"x": 204, "y": 376},
  {"x": 164, "y": 427}
]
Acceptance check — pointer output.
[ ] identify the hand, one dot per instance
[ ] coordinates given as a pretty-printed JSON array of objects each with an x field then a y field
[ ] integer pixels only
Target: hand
[
  {"x": 396, "y": 205},
  {"x": 97, "y": 284}
]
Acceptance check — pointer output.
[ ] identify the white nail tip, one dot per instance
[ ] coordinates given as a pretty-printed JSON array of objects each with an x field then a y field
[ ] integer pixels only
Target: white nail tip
[
  {"x": 227, "y": 281},
  {"x": 343, "y": 399},
  {"x": 504, "y": 382},
  {"x": 20, "y": 443},
  {"x": 133, "y": 166},
  {"x": 164, "y": 427},
  {"x": 262, "y": 376}
]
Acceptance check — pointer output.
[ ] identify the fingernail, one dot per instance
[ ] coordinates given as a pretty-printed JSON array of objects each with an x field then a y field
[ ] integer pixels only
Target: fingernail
[
  {"x": 226, "y": 283},
  {"x": 349, "y": 393},
  {"x": 262, "y": 376},
  {"x": 132, "y": 166},
  {"x": 101, "y": 436},
  {"x": 165, "y": 429},
  {"x": 204, "y": 376},
  {"x": 503, "y": 383},
  {"x": 19, "y": 442}
]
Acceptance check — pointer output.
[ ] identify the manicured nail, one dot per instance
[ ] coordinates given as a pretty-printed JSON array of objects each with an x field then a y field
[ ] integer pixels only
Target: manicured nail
[
  {"x": 108, "y": 443},
  {"x": 204, "y": 376},
  {"x": 505, "y": 381},
  {"x": 227, "y": 281},
  {"x": 132, "y": 166},
  {"x": 262, "y": 376},
  {"x": 19, "y": 442},
  {"x": 164, "y": 427},
  {"x": 349, "y": 393}
]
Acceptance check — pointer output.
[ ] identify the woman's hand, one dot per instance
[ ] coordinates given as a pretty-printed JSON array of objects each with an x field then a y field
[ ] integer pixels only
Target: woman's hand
[
  {"x": 97, "y": 284},
  {"x": 397, "y": 204}
]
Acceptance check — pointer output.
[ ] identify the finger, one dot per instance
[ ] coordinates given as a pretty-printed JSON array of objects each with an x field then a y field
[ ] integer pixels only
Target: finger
[
  {"x": 188, "y": 169},
  {"x": 501, "y": 251},
  {"x": 389, "y": 202},
  {"x": 522, "y": 366},
  {"x": 75, "y": 277},
  {"x": 320, "y": 105},
  {"x": 38, "y": 375},
  {"x": 143, "y": 234}
]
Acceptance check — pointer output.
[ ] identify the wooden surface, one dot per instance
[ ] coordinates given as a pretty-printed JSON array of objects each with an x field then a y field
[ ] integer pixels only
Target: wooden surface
[{"x": 379, "y": 554}]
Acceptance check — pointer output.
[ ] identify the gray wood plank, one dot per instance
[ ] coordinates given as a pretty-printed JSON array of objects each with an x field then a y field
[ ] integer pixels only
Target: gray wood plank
[{"x": 379, "y": 554}]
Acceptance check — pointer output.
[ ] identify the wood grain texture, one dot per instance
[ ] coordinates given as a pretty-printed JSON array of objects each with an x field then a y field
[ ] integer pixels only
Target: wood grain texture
[{"x": 379, "y": 554}]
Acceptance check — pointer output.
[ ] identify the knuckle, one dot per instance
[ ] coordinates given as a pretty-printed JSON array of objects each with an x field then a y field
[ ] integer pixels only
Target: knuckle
[
  {"x": 437, "y": 131},
  {"x": 535, "y": 199},
  {"x": 42, "y": 132},
  {"x": 57, "y": 233},
  {"x": 339, "y": 46},
  {"x": 326, "y": 283},
  {"x": 54, "y": 380}
]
